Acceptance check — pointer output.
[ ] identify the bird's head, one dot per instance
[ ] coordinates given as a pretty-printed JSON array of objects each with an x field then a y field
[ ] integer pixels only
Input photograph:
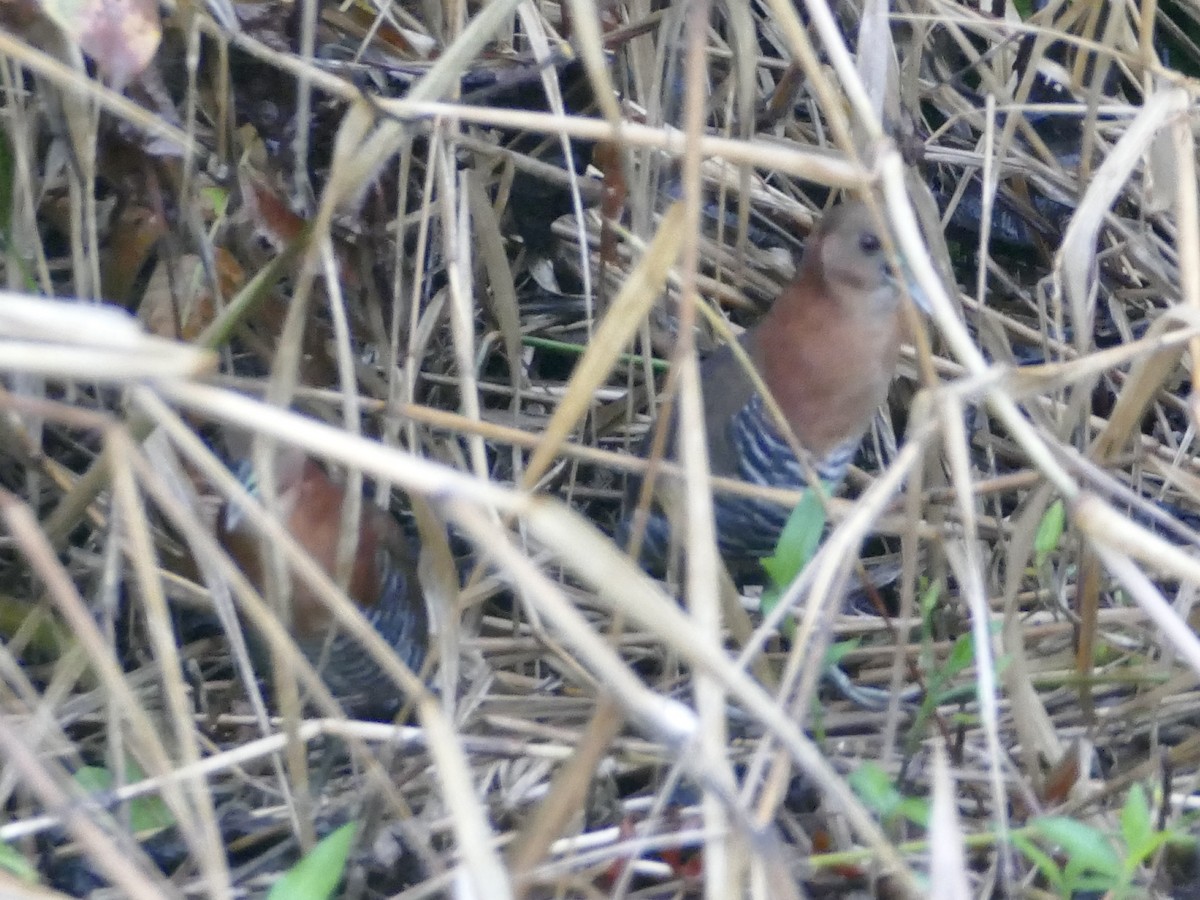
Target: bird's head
[{"x": 848, "y": 255}]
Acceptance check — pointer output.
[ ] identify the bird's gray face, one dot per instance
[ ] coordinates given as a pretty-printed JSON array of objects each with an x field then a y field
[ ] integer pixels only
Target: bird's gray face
[{"x": 854, "y": 262}]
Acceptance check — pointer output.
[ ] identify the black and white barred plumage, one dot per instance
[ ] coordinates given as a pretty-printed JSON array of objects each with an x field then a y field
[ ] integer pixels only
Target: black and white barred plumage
[
  {"x": 383, "y": 583},
  {"x": 748, "y": 527}
]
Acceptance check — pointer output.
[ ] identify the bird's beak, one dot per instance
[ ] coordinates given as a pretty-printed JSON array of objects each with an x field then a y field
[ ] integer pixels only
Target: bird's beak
[{"x": 908, "y": 283}]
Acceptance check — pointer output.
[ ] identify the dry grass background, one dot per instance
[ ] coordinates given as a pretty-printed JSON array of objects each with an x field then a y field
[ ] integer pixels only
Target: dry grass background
[{"x": 572, "y": 696}]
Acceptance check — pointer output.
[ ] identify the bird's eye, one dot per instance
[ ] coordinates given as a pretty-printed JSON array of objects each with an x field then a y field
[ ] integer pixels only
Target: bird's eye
[{"x": 868, "y": 243}]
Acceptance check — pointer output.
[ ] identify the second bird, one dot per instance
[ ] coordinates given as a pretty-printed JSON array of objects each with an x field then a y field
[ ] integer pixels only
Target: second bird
[
  {"x": 383, "y": 581},
  {"x": 827, "y": 350}
]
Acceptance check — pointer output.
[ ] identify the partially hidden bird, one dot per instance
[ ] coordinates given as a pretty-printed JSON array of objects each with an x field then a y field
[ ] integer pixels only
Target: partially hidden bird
[
  {"x": 383, "y": 580},
  {"x": 827, "y": 350}
]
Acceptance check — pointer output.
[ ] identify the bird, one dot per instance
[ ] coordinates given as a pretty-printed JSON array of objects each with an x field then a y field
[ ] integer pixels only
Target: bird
[
  {"x": 827, "y": 350},
  {"x": 383, "y": 580}
]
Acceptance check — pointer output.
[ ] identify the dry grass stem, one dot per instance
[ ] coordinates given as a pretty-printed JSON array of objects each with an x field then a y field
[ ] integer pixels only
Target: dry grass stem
[{"x": 463, "y": 256}]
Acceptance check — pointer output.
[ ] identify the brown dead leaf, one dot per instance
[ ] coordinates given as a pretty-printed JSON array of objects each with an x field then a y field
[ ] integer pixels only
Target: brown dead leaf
[
  {"x": 135, "y": 234},
  {"x": 178, "y": 304}
]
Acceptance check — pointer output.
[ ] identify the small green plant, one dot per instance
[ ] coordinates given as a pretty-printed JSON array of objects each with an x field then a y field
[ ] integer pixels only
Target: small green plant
[
  {"x": 317, "y": 875},
  {"x": 940, "y": 681},
  {"x": 147, "y": 814},
  {"x": 796, "y": 547},
  {"x": 15, "y": 864},
  {"x": 1073, "y": 856},
  {"x": 876, "y": 790},
  {"x": 1049, "y": 532},
  {"x": 217, "y": 198},
  {"x": 1091, "y": 862}
]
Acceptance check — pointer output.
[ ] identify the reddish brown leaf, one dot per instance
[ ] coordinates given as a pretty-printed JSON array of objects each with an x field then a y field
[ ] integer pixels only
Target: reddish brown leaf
[
  {"x": 1063, "y": 776},
  {"x": 607, "y": 157},
  {"x": 134, "y": 236}
]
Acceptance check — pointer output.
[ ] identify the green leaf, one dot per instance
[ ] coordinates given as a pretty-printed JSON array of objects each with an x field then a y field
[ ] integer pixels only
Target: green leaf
[
  {"x": 839, "y": 651},
  {"x": 798, "y": 541},
  {"x": 771, "y": 596},
  {"x": 15, "y": 864},
  {"x": 1024, "y": 9},
  {"x": 929, "y": 600},
  {"x": 217, "y": 198},
  {"x": 962, "y": 656},
  {"x": 317, "y": 875},
  {"x": 796, "y": 546},
  {"x": 1085, "y": 846},
  {"x": 1044, "y": 861},
  {"x": 1049, "y": 532},
  {"x": 94, "y": 779},
  {"x": 1136, "y": 827},
  {"x": 915, "y": 809},
  {"x": 874, "y": 787},
  {"x": 148, "y": 812},
  {"x": 1141, "y": 855}
]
